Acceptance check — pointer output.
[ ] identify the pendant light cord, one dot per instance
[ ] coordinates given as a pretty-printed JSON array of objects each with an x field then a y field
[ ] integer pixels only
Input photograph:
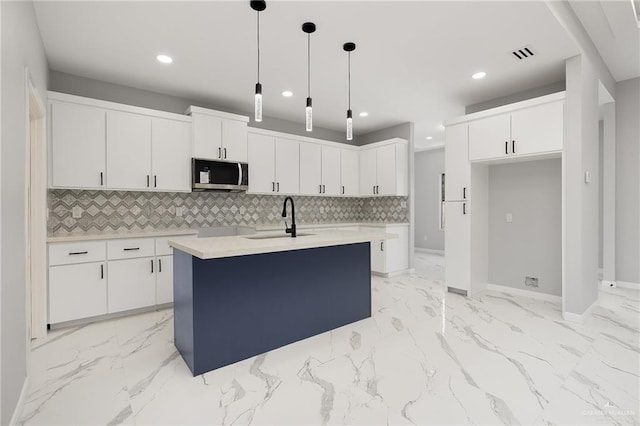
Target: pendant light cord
[
  {"x": 258, "y": 19},
  {"x": 349, "y": 56},
  {"x": 308, "y": 65}
]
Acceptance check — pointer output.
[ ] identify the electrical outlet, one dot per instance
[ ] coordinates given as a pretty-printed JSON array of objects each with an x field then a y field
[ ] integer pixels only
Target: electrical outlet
[
  {"x": 76, "y": 212},
  {"x": 509, "y": 218},
  {"x": 179, "y": 211},
  {"x": 425, "y": 237},
  {"x": 531, "y": 282}
]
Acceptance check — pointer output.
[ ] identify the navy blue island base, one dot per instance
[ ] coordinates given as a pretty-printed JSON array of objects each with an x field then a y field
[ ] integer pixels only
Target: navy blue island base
[{"x": 232, "y": 308}]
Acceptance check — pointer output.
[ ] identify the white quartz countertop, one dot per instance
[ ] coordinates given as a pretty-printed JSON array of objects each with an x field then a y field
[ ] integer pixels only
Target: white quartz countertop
[
  {"x": 272, "y": 227},
  {"x": 218, "y": 247},
  {"x": 117, "y": 235}
]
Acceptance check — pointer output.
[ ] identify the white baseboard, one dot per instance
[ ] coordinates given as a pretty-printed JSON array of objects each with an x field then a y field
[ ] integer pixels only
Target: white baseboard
[
  {"x": 430, "y": 251},
  {"x": 569, "y": 316},
  {"x": 394, "y": 273},
  {"x": 527, "y": 293},
  {"x": 627, "y": 284},
  {"x": 23, "y": 396}
]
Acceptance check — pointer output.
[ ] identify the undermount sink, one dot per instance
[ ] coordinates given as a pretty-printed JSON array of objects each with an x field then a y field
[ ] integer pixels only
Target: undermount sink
[{"x": 269, "y": 237}]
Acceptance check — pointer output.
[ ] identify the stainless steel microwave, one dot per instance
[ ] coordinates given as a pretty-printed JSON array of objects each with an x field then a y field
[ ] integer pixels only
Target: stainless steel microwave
[{"x": 215, "y": 175}]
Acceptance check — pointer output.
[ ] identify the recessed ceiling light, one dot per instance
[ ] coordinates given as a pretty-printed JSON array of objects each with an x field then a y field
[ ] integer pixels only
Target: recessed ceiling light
[
  {"x": 287, "y": 93},
  {"x": 479, "y": 75},
  {"x": 364, "y": 114},
  {"x": 164, "y": 59},
  {"x": 429, "y": 138}
]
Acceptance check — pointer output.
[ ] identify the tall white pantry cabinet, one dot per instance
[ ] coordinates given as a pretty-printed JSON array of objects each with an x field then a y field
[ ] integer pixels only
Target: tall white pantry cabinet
[{"x": 527, "y": 130}]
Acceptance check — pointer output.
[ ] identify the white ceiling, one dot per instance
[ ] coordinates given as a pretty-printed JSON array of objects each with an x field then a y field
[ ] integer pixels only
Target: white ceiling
[
  {"x": 413, "y": 60},
  {"x": 613, "y": 28}
]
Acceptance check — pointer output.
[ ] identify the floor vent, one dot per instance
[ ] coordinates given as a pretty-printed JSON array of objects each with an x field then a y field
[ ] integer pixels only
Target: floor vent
[{"x": 523, "y": 53}]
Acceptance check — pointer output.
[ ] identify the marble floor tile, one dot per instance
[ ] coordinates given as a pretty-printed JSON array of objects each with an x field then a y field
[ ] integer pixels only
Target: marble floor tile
[{"x": 424, "y": 357}]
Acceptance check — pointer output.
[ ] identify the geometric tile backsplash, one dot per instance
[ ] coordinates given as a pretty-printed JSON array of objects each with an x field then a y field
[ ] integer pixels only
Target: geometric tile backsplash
[{"x": 120, "y": 211}]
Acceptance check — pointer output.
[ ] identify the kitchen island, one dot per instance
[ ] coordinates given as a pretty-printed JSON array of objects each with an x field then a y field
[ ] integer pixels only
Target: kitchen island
[{"x": 240, "y": 296}]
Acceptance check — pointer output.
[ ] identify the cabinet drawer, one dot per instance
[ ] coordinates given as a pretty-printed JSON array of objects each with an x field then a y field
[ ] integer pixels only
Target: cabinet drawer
[
  {"x": 130, "y": 248},
  {"x": 80, "y": 252}
]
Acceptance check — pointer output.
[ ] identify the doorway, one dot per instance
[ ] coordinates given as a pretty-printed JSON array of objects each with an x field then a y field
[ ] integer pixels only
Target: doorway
[{"x": 35, "y": 211}]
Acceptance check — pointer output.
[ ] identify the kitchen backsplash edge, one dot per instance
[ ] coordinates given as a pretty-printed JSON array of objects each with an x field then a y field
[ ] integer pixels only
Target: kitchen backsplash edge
[{"x": 132, "y": 211}]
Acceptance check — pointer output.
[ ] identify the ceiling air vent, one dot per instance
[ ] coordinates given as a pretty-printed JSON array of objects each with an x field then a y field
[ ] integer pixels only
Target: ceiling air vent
[{"x": 523, "y": 53}]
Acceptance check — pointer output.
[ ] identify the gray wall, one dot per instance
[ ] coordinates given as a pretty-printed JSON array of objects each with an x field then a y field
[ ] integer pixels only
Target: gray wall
[
  {"x": 90, "y": 88},
  {"x": 21, "y": 47},
  {"x": 532, "y": 244},
  {"x": 429, "y": 165},
  {"x": 404, "y": 131},
  {"x": 516, "y": 97},
  {"x": 628, "y": 180},
  {"x": 600, "y": 193}
]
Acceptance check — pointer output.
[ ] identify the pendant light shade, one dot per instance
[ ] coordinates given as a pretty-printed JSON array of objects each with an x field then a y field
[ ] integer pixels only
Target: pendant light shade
[
  {"x": 309, "y": 28},
  {"x": 349, "y": 47},
  {"x": 258, "y": 6}
]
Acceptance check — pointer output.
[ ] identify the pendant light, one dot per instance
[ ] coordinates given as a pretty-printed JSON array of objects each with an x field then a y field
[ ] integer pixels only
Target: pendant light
[
  {"x": 309, "y": 28},
  {"x": 349, "y": 47},
  {"x": 258, "y": 6}
]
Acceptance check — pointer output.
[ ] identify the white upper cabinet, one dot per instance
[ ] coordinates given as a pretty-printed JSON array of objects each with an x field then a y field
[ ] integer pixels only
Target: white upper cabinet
[
  {"x": 77, "y": 146},
  {"x": 330, "y": 170},
  {"x": 536, "y": 129},
  {"x": 219, "y": 135},
  {"x": 458, "y": 170},
  {"x": 368, "y": 171},
  {"x": 171, "y": 154},
  {"x": 287, "y": 166},
  {"x": 310, "y": 169},
  {"x": 262, "y": 164},
  {"x": 128, "y": 151},
  {"x": 490, "y": 137},
  {"x": 349, "y": 172},
  {"x": 384, "y": 169}
]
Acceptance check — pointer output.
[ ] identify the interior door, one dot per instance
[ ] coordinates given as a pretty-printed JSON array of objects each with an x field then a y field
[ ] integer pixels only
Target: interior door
[{"x": 262, "y": 164}]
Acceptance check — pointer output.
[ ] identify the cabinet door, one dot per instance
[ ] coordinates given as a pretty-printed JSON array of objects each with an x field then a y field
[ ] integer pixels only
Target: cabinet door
[
  {"x": 489, "y": 137},
  {"x": 171, "y": 155},
  {"x": 132, "y": 284},
  {"x": 349, "y": 172},
  {"x": 538, "y": 129},
  {"x": 310, "y": 169},
  {"x": 396, "y": 250},
  {"x": 330, "y": 170},
  {"x": 207, "y": 137},
  {"x": 386, "y": 173},
  {"x": 378, "y": 261},
  {"x": 234, "y": 140},
  {"x": 128, "y": 151},
  {"x": 287, "y": 166},
  {"x": 262, "y": 164},
  {"x": 457, "y": 246},
  {"x": 77, "y": 291},
  {"x": 456, "y": 159},
  {"x": 164, "y": 280},
  {"x": 368, "y": 170},
  {"x": 77, "y": 146}
]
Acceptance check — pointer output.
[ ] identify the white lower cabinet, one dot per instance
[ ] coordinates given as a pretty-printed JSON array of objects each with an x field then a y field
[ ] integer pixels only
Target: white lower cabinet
[
  {"x": 93, "y": 278},
  {"x": 457, "y": 244},
  {"x": 164, "y": 280},
  {"x": 392, "y": 255},
  {"x": 132, "y": 284},
  {"x": 77, "y": 291}
]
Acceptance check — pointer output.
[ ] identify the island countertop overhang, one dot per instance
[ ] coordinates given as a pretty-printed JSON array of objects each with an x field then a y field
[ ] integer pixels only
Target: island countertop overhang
[{"x": 243, "y": 245}]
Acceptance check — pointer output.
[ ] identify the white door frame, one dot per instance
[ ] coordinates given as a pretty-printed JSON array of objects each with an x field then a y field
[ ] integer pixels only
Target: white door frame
[{"x": 36, "y": 210}]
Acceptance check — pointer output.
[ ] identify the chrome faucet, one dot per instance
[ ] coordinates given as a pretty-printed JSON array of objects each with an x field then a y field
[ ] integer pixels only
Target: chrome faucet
[{"x": 288, "y": 230}]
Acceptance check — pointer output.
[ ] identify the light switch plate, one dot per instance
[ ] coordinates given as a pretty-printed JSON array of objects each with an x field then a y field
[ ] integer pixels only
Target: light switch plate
[
  {"x": 509, "y": 218},
  {"x": 76, "y": 212},
  {"x": 587, "y": 177}
]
